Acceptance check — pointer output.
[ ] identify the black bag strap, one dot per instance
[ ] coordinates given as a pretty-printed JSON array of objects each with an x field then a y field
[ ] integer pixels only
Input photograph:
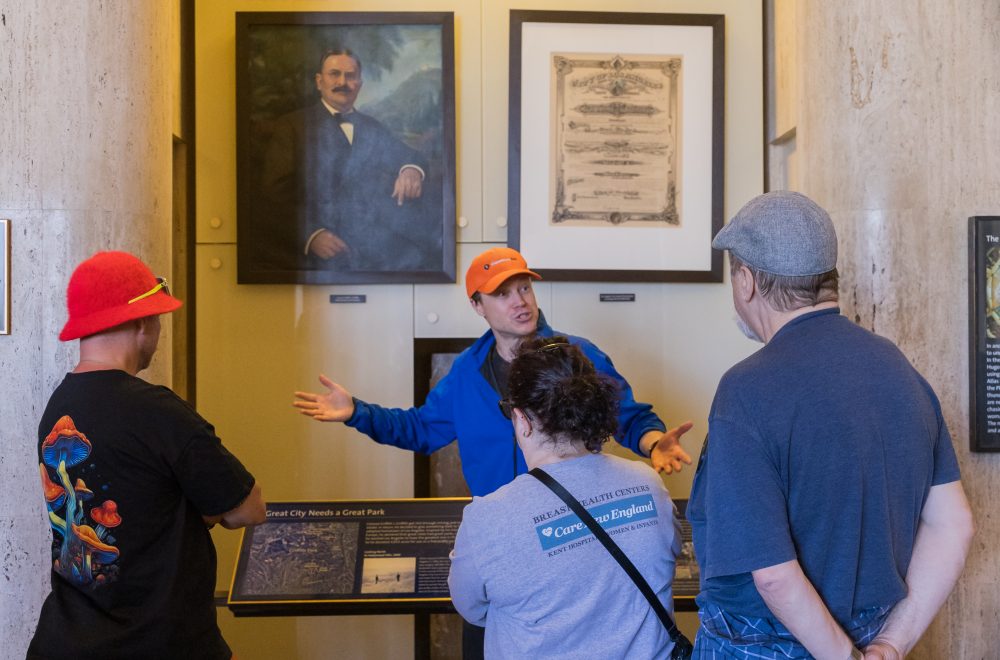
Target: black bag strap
[{"x": 612, "y": 547}]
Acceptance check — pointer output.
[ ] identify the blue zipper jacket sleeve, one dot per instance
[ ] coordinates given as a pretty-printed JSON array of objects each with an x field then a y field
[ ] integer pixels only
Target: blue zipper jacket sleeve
[
  {"x": 463, "y": 406},
  {"x": 425, "y": 429}
]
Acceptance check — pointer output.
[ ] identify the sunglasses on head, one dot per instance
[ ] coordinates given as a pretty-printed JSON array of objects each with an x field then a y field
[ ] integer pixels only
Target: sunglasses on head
[
  {"x": 549, "y": 347},
  {"x": 161, "y": 283}
]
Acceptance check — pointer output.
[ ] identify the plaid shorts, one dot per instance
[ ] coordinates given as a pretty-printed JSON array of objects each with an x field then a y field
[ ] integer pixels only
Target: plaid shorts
[{"x": 724, "y": 635}]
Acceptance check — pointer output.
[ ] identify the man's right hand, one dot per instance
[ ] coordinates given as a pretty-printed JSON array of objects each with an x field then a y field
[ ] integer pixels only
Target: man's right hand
[
  {"x": 336, "y": 405},
  {"x": 327, "y": 245}
]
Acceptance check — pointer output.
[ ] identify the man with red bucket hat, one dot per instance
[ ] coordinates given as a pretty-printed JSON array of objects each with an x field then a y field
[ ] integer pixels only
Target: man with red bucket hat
[{"x": 133, "y": 478}]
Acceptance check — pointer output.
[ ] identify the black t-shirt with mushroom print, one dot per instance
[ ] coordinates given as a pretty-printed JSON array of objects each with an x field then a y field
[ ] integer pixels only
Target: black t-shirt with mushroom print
[{"x": 127, "y": 471}]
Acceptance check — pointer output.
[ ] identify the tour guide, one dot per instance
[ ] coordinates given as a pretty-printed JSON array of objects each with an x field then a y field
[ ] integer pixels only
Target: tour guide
[{"x": 464, "y": 404}]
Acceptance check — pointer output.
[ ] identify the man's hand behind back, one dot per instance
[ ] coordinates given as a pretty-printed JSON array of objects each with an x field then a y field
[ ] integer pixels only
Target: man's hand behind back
[{"x": 882, "y": 651}]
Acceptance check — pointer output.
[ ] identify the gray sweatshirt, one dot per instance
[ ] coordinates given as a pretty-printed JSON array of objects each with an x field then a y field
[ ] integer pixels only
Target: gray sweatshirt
[{"x": 526, "y": 568}]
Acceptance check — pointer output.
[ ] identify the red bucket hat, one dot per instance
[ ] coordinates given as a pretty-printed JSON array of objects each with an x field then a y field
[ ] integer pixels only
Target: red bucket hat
[
  {"x": 112, "y": 288},
  {"x": 494, "y": 267}
]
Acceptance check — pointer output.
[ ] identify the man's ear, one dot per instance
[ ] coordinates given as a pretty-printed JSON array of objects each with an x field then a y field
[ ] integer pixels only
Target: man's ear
[
  {"x": 477, "y": 307},
  {"x": 144, "y": 324},
  {"x": 744, "y": 284}
]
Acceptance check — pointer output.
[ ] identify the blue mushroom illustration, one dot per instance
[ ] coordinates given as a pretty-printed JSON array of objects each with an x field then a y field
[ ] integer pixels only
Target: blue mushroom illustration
[{"x": 82, "y": 548}]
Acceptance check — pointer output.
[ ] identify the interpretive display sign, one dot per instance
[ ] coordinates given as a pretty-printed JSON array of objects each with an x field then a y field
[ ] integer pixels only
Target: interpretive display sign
[
  {"x": 369, "y": 557},
  {"x": 984, "y": 333},
  {"x": 348, "y": 557}
]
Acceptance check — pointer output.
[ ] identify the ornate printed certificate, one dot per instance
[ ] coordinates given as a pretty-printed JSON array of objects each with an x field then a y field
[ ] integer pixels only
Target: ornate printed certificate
[{"x": 615, "y": 139}]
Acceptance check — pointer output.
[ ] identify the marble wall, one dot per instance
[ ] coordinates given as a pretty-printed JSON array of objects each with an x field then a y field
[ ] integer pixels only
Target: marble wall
[
  {"x": 85, "y": 164},
  {"x": 897, "y": 137}
]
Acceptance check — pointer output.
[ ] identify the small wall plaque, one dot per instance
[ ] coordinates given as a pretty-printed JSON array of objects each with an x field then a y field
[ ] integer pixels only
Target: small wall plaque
[
  {"x": 348, "y": 298},
  {"x": 617, "y": 297}
]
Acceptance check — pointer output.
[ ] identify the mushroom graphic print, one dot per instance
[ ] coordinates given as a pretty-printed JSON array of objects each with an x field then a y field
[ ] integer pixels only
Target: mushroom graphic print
[
  {"x": 105, "y": 516},
  {"x": 83, "y": 555}
]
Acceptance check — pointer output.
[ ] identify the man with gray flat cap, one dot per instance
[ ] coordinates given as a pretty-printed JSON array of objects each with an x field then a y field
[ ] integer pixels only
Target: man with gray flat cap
[{"x": 827, "y": 510}]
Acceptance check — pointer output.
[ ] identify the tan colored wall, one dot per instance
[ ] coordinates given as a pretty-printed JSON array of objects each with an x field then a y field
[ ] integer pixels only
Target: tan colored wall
[
  {"x": 256, "y": 344},
  {"x": 85, "y": 120},
  {"x": 897, "y": 136}
]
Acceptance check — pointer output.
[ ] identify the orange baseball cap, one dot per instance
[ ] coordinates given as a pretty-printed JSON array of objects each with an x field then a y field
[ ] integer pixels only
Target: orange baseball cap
[{"x": 494, "y": 267}]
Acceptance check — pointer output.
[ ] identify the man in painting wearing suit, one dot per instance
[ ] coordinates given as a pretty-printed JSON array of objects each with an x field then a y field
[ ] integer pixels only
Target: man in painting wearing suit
[{"x": 343, "y": 192}]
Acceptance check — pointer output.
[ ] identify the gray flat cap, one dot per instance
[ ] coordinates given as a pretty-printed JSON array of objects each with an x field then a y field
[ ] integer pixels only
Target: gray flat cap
[{"x": 784, "y": 233}]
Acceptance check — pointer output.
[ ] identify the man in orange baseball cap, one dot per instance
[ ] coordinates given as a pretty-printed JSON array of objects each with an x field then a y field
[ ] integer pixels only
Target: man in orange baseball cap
[
  {"x": 133, "y": 478},
  {"x": 463, "y": 406}
]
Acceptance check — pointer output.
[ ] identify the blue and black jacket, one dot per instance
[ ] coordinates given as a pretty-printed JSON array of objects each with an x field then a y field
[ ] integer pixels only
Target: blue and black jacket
[{"x": 463, "y": 406}]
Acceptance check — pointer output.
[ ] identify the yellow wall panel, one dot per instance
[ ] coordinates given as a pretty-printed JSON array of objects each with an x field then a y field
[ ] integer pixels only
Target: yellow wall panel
[{"x": 258, "y": 343}]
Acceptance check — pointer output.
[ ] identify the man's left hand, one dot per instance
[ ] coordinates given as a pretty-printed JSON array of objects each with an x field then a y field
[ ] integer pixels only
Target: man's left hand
[
  {"x": 668, "y": 455},
  {"x": 881, "y": 650},
  {"x": 409, "y": 185}
]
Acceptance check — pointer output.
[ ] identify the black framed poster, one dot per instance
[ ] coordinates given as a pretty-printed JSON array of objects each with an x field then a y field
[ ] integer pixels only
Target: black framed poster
[{"x": 984, "y": 333}]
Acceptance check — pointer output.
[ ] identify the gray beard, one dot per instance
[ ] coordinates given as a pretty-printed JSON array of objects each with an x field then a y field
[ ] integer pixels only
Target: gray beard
[{"x": 746, "y": 329}]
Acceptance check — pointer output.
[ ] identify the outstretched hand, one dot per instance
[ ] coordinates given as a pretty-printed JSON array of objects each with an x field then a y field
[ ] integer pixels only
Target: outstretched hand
[
  {"x": 336, "y": 405},
  {"x": 668, "y": 455}
]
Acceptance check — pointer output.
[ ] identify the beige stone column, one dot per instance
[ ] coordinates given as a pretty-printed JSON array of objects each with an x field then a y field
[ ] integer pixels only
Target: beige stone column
[
  {"x": 85, "y": 165},
  {"x": 899, "y": 137}
]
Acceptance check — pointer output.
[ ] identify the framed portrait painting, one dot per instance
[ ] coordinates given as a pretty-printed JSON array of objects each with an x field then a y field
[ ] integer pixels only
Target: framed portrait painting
[
  {"x": 616, "y": 144},
  {"x": 345, "y": 147}
]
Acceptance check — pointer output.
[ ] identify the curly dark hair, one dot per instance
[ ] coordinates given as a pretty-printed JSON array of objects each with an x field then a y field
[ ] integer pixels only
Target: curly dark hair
[{"x": 558, "y": 387}]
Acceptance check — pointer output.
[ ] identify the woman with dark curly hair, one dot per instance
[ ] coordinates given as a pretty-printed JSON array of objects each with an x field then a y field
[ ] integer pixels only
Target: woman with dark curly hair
[{"x": 525, "y": 566}]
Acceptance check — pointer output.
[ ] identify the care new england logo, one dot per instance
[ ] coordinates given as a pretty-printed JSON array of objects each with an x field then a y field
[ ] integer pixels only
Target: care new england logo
[{"x": 554, "y": 533}]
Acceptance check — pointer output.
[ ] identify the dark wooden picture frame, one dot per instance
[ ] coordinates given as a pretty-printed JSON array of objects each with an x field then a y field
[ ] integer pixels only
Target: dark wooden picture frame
[
  {"x": 445, "y": 629},
  {"x": 302, "y": 174},
  {"x": 672, "y": 244},
  {"x": 984, "y": 333}
]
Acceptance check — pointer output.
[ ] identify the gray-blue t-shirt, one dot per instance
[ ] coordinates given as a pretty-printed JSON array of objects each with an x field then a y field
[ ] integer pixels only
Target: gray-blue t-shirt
[{"x": 822, "y": 447}]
